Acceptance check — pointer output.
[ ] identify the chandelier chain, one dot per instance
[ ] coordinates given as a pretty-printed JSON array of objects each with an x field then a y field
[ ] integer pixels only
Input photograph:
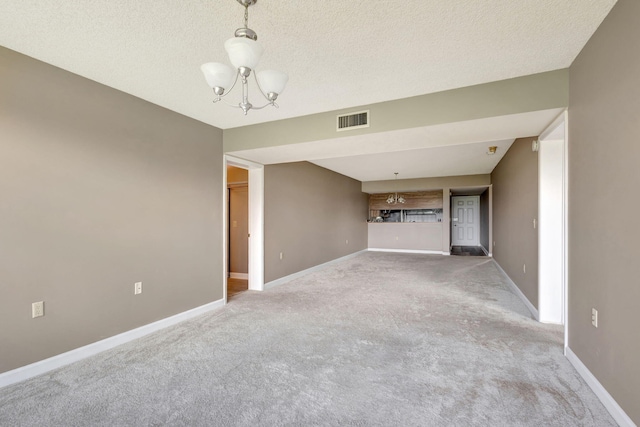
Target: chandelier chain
[{"x": 246, "y": 16}]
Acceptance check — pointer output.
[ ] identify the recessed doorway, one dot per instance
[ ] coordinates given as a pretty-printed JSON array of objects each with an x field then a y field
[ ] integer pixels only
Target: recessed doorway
[
  {"x": 470, "y": 224},
  {"x": 255, "y": 235},
  {"x": 238, "y": 230},
  {"x": 552, "y": 229}
]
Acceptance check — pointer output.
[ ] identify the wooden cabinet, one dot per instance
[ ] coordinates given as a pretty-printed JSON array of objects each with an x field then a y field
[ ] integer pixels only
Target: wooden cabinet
[{"x": 413, "y": 200}]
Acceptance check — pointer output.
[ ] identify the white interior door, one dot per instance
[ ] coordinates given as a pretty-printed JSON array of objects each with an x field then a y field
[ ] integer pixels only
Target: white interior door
[{"x": 465, "y": 221}]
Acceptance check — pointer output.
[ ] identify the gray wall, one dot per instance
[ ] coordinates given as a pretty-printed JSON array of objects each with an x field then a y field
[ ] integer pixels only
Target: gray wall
[
  {"x": 604, "y": 177},
  {"x": 484, "y": 220},
  {"x": 310, "y": 213},
  {"x": 99, "y": 190},
  {"x": 515, "y": 205}
]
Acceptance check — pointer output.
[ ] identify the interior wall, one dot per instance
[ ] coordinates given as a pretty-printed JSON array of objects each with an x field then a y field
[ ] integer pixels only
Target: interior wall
[
  {"x": 484, "y": 220},
  {"x": 310, "y": 214},
  {"x": 99, "y": 190},
  {"x": 239, "y": 230},
  {"x": 515, "y": 207},
  {"x": 237, "y": 183},
  {"x": 422, "y": 184},
  {"x": 603, "y": 186}
]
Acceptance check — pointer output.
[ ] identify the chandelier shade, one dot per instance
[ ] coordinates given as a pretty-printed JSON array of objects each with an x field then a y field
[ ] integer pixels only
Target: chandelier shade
[
  {"x": 218, "y": 75},
  {"x": 243, "y": 52},
  {"x": 272, "y": 81}
]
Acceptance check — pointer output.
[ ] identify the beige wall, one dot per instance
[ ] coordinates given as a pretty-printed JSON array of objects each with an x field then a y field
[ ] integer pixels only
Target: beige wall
[
  {"x": 310, "y": 213},
  {"x": 604, "y": 177},
  {"x": 98, "y": 190},
  {"x": 515, "y": 206}
]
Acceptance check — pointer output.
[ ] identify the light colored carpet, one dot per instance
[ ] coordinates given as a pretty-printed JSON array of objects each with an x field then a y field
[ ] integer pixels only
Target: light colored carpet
[{"x": 380, "y": 339}]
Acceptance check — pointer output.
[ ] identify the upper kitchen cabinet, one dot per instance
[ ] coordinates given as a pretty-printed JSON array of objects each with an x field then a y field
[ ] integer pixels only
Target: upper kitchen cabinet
[{"x": 413, "y": 200}]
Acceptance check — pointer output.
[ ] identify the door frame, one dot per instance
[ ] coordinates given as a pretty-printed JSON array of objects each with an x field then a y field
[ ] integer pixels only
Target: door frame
[
  {"x": 256, "y": 221},
  {"x": 230, "y": 190},
  {"x": 554, "y": 243},
  {"x": 476, "y": 219}
]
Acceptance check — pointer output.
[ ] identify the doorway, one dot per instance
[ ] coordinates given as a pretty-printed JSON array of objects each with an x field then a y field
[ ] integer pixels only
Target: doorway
[
  {"x": 255, "y": 235},
  {"x": 238, "y": 230},
  {"x": 552, "y": 229},
  {"x": 465, "y": 221}
]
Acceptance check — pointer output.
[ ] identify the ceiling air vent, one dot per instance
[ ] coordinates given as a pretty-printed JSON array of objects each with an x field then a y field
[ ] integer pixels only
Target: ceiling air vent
[{"x": 353, "y": 121}]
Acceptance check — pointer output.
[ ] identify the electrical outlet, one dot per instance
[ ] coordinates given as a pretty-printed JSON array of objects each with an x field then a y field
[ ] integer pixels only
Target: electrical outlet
[
  {"x": 37, "y": 309},
  {"x": 594, "y": 317},
  {"x": 346, "y": 242},
  {"x": 534, "y": 223},
  {"x": 280, "y": 255},
  {"x": 524, "y": 268},
  {"x": 494, "y": 243},
  {"x": 137, "y": 288}
]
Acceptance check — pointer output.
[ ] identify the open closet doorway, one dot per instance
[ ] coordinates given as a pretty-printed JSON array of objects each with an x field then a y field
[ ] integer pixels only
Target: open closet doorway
[{"x": 238, "y": 230}]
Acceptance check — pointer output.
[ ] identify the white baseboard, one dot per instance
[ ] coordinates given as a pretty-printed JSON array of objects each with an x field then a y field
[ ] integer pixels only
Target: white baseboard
[
  {"x": 607, "y": 400},
  {"x": 55, "y": 362},
  {"x": 486, "y": 251},
  {"x": 409, "y": 251},
  {"x": 243, "y": 276},
  {"x": 290, "y": 277},
  {"x": 518, "y": 292}
]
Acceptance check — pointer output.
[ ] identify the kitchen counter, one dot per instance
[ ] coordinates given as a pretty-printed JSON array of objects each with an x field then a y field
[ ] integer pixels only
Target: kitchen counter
[{"x": 413, "y": 236}]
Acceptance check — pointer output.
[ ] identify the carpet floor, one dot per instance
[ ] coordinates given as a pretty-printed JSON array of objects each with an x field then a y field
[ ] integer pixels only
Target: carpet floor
[{"x": 381, "y": 339}]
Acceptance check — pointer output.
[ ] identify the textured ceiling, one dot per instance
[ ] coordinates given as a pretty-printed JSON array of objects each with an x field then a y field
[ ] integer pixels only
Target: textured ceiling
[{"x": 338, "y": 53}]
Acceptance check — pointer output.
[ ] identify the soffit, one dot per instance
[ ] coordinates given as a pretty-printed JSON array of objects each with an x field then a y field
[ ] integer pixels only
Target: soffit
[{"x": 441, "y": 150}]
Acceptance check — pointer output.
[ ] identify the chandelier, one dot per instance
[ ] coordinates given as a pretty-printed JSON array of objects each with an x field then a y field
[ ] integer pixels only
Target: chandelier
[
  {"x": 244, "y": 54},
  {"x": 394, "y": 199}
]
